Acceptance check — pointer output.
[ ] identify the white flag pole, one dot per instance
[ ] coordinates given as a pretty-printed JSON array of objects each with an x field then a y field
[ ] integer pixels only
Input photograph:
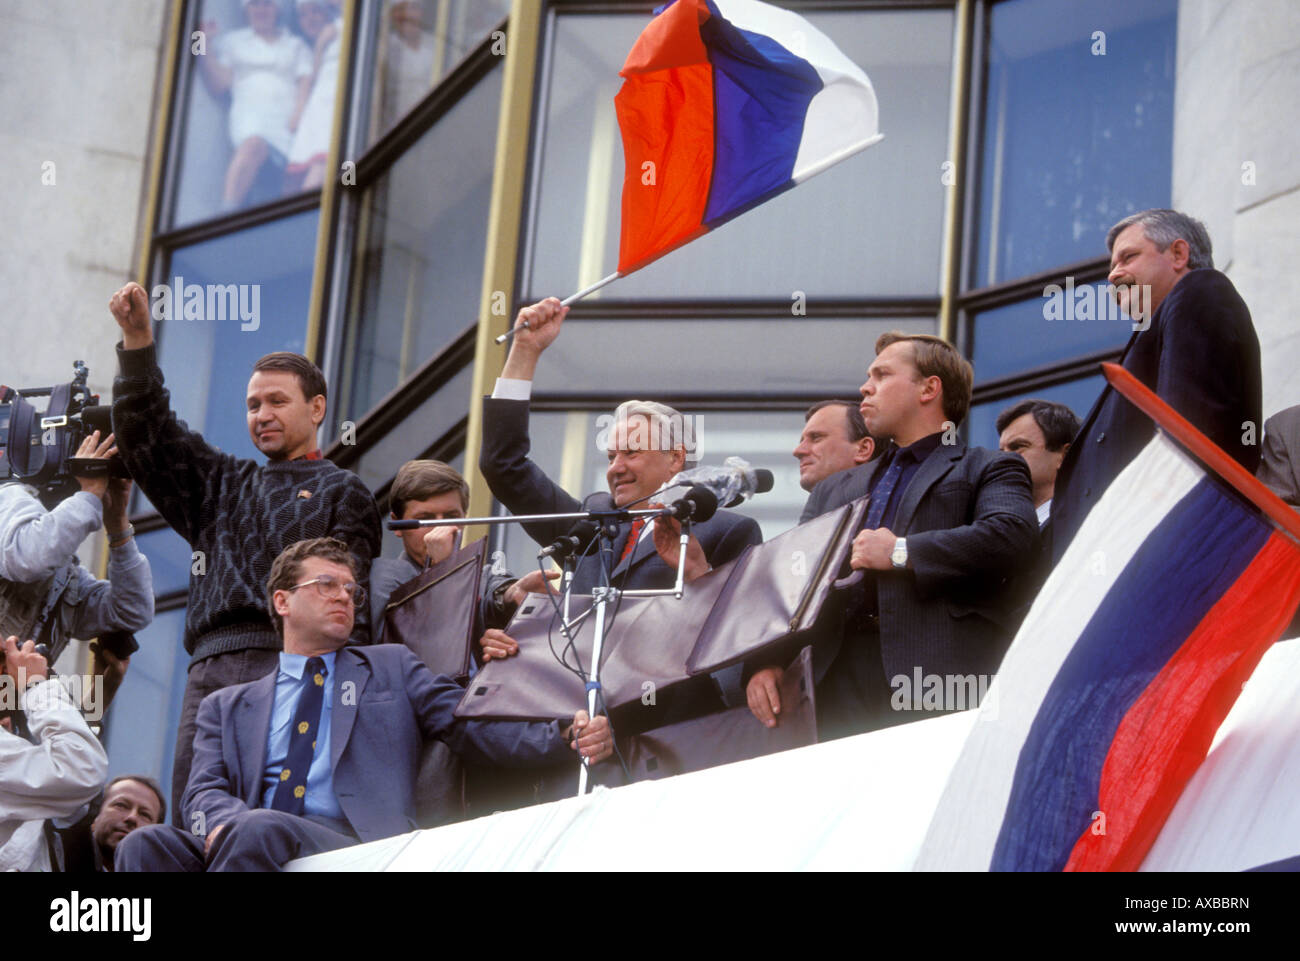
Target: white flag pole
[{"x": 568, "y": 300}]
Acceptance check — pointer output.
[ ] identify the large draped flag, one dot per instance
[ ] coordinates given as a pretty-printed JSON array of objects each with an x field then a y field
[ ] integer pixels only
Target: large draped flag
[
  {"x": 1135, "y": 650},
  {"x": 726, "y": 103}
]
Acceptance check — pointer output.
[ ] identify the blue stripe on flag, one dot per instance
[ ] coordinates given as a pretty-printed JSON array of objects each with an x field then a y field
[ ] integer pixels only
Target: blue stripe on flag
[
  {"x": 1182, "y": 569},
  {"x": 761, "y": 93}
]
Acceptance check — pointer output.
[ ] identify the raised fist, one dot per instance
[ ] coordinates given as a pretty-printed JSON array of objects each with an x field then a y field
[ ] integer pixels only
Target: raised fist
[{"x": 130, "y": 307}]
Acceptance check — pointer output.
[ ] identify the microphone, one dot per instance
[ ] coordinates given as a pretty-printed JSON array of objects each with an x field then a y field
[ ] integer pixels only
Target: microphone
[
  {"x": 582, "y": 533},
  {"x": 579, "y": 537},
  {"x": 698, "y": 504},
  {"x": 732, "y": 484}
]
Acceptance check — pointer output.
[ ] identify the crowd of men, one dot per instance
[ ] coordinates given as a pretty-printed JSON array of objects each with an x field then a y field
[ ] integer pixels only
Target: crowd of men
[{"x": 304, "y": 730}]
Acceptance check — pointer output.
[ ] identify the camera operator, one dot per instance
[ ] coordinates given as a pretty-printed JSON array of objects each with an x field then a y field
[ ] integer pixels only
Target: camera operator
[
  {"x": 45, "y": 593},
  {"x": 53, "y": 774}
]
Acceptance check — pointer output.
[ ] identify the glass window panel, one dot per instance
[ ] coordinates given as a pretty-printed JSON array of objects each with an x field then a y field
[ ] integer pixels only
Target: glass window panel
[
  {"x": 170, "y": 559},
  {"x": 564, "y": 445},
  {"x": 260, "y": 110},
  {"x": 870, "y": 226},
  {"x": 266, "y": 272},
  {"x": 419, "y": 42},
  {"x": 1073, "y": 141},
  {"x": 142, "y": 721},
  {"x": 799, "y": 355},
  {"x": 1078, "y": 395},
  {"x": 436, "y": 415},
  {"x": 1019, "y": 336},
  {"x": 420, "y": 261}
]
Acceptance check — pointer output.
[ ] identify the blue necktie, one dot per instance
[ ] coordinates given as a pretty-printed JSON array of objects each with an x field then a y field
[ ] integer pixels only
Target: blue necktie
[
  {"x": 291, "y": 792},
  {"x": 880, "y": 496}
]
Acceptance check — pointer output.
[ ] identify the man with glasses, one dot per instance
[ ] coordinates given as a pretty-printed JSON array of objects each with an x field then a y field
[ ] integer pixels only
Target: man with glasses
[
  {"x": 323, "y": 753},
  {"x": 236, "y": 514}
]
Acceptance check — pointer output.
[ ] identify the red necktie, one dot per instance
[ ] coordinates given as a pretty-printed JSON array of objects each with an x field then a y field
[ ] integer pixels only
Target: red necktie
[{"x": 638, "y": 523}]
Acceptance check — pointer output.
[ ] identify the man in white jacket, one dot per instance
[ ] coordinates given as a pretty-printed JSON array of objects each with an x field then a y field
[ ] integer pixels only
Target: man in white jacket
[{"x": 52, "y": 776}]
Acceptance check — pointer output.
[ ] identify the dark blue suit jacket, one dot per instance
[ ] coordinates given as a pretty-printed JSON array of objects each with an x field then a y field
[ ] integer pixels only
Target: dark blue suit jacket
[
  {"x": 968, "y": 516},
  {"x": 524, "y": 488},
  {"x": 386, "y": 703},
  {"x": 1200, "y": 354}
]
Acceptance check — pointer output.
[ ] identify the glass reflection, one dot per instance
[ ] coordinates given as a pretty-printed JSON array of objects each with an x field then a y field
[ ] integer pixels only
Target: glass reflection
[
  {"x": 261, "y": 104},
  {"x": 1078, "y": 128},
  {"x": 423, "y": 230},
  {"x": 419, "y": 43}
]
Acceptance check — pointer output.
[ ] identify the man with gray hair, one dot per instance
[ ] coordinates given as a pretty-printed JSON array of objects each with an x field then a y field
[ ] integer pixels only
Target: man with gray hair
[
  {"x": 647, "y": 444},
  {"x": 1193, "y": 344}
]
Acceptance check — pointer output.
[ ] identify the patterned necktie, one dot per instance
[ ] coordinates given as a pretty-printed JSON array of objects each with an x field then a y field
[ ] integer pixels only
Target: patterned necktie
[
  {"x": 634, "y": 535},
  {"x": 880, "y": 496},
  {"x": 292, "y": 789}
]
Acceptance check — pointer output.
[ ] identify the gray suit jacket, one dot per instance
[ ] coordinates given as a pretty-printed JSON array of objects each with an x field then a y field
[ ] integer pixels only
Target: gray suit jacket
[
  {"x": 1279, "y": 467},
  {"x": 968, "y": 516},
  {"x": 386, "y": 703},
  {"x": 524, "y": 488}
]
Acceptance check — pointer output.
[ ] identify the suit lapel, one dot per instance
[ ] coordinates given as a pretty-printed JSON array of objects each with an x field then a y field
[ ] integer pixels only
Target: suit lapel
[
  {"x": 252, "y": 727},
  {"x": 927, "y": 474},
  {"x": 645, "y": 546},
  {"x": 856, "y": 481},
  {"x": 351, "y": 673}
]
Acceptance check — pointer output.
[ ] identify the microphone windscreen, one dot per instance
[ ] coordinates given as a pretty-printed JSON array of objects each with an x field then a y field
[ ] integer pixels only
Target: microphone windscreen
[
  {"x": 705, "y": 501},
  {"x": 762, "y": 481}
]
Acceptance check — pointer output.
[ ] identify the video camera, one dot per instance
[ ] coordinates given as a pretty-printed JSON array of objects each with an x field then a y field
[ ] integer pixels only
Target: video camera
[{"x": 38, "y": 448}]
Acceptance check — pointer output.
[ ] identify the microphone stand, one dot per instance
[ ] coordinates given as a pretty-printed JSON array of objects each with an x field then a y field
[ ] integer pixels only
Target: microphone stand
[{"x": 602, "y": 595}]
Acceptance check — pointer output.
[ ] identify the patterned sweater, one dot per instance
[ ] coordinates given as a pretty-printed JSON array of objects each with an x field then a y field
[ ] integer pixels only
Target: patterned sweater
[{"x": 236, "y": 515}]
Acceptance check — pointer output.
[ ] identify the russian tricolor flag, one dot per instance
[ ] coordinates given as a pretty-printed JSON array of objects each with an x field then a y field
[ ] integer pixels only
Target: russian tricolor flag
[
  {"x": 726, "y": 103},
  {"x": 1134, "y": 652}
]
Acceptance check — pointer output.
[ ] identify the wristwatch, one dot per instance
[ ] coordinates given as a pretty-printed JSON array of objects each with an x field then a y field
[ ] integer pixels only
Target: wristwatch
[{"x": 899, "y": 556}]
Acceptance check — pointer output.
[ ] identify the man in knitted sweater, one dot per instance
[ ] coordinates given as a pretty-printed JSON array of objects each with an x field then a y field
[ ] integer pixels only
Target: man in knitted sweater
[{"x": 236, "y": 515}]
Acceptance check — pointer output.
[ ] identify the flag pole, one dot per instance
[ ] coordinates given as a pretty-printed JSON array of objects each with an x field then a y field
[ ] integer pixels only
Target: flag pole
[
  {"x": 569, "y": 299},
  {"x": 1200, "y": 446}
]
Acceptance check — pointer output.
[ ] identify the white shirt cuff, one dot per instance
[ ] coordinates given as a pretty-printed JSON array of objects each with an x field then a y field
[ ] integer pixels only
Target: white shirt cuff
[{"x": 510, "y": 389}]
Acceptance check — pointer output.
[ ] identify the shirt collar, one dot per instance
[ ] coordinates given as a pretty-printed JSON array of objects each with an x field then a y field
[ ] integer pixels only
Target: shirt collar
[
  {"x": 311, "y": 455},
  {"x": 921, "y": 449},
  {"x": 294, "y": 664}
]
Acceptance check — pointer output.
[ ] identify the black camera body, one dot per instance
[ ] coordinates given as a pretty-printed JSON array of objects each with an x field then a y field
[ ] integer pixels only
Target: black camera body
[{"x": 37, "y": 448}]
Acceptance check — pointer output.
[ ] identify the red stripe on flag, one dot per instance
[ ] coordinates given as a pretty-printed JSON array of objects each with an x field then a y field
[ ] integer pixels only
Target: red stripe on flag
[
  {"x": 1167, "y": 732},
  {"x": 665, "y": 112}
]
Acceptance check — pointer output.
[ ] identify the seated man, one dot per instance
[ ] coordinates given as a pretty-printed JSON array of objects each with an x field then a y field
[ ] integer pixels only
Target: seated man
[
  {"x": 49, "y": 775},
  {"x": 834, "y": 438},
  {"x": 1040, "y": 432},
  {"x": 1279, "y": 465},
  {"x": 292, "y": 765},
  {"x": 947, "y": 527}
]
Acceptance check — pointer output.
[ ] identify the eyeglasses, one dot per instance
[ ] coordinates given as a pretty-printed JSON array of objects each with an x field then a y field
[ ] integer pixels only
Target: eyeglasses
[{"x": 331, "y": 587}]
